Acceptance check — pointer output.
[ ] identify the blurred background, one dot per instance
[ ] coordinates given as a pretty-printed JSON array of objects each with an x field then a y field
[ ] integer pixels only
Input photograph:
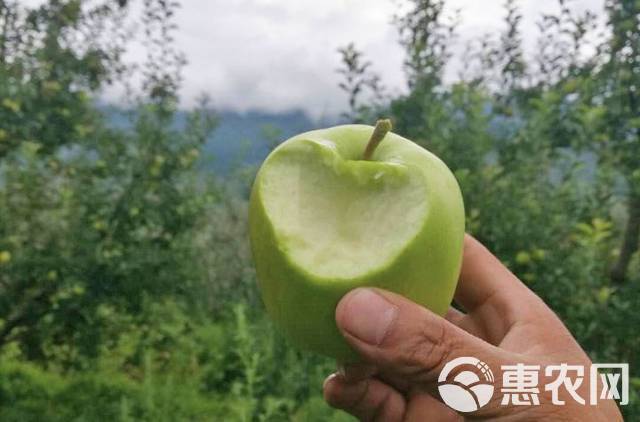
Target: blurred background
[{"x": 130, "y": 132}]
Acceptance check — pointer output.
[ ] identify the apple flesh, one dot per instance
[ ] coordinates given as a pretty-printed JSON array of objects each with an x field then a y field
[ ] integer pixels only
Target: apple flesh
[{"x": 324, "y": 221}]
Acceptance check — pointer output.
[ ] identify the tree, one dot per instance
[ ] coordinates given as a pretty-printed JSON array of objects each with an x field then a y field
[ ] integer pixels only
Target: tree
[
  {"x": 359, "y": 81},
  {"x": 97, "y": 227},
  {"x": 619, "y": 98},
  {"x": 426, "y": 33},
  {"x": 51, "y": 59}
]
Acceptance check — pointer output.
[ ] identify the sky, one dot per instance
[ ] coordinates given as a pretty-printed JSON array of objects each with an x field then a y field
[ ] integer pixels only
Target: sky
[{"x": 280, "y": 55}]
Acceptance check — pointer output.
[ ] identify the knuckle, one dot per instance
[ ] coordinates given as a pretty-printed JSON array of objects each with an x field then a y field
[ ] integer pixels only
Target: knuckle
[{"x": 429, "y": 351}]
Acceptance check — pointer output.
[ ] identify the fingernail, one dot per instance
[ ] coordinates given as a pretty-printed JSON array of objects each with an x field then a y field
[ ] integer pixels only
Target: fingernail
[
  {"x": 366, "y": 315},
  {"x": 328, "y": 380}
]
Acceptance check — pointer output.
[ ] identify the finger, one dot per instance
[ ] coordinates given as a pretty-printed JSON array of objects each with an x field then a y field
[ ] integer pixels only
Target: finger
[
  {"x": 465, "y": 322},
  {"x": 353, "y": 372},
  {"x": 484, "y": 277},
  {"x": 491, "y": 294},
  {"x": 367, "y": 400},
  {"x": 455, "y": 316},
  {"x": 408, "y": 343},
  {"x": 423, "y": 406}
]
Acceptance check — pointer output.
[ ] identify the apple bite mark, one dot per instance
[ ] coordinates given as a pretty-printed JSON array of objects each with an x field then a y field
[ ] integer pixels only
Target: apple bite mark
[{"x": 341, "y": 218}]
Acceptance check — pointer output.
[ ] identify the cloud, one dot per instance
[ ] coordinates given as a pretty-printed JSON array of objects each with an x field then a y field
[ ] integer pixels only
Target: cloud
[{"x": 281, "y": 54}]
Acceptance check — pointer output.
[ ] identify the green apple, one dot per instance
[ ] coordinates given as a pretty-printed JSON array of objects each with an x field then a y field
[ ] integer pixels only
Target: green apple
[{"x": 336, "y": 209}]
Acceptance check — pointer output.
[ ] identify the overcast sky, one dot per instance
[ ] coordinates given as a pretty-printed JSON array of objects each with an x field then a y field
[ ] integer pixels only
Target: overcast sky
[{"x": 281, "y": 54}]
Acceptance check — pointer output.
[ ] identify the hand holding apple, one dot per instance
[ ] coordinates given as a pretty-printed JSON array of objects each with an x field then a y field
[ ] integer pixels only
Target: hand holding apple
[{"x": 404, "y": 347}]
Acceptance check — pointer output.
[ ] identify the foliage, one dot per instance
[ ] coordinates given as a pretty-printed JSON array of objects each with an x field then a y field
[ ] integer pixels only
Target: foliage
[
  {"x": 51, "y": 59},
  {"x": 173, "y": 367}
]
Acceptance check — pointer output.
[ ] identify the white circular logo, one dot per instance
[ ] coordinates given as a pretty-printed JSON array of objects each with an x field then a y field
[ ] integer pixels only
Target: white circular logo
[{"x": 470, "y": 388}]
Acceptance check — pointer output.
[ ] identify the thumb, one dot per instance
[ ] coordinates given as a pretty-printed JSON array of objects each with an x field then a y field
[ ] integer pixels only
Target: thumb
[{"x": 407, "y": 343}]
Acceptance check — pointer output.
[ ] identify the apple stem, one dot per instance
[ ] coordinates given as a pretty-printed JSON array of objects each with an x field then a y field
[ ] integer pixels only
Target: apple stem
[{"x": 383, "y": 126}]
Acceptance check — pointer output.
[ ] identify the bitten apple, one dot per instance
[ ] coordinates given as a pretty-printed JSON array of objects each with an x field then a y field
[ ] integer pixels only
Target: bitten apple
[{"x": 351, "y": 206}]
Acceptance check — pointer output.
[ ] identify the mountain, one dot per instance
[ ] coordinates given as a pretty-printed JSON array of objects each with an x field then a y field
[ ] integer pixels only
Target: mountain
[
  {"x": 247, "y": 138},
  {"x": 239, "y": 137}
]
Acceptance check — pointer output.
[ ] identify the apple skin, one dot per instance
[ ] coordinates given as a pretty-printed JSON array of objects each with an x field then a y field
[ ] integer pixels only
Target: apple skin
[{"x": 425, "y": 271}]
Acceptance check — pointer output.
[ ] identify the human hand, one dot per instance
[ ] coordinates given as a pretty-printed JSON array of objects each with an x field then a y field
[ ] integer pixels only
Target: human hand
[{"x": 404, "y": 347}]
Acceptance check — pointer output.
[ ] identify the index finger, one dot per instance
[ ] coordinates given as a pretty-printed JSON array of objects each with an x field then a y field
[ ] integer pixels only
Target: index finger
[{"x": 487, "y": 287}]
